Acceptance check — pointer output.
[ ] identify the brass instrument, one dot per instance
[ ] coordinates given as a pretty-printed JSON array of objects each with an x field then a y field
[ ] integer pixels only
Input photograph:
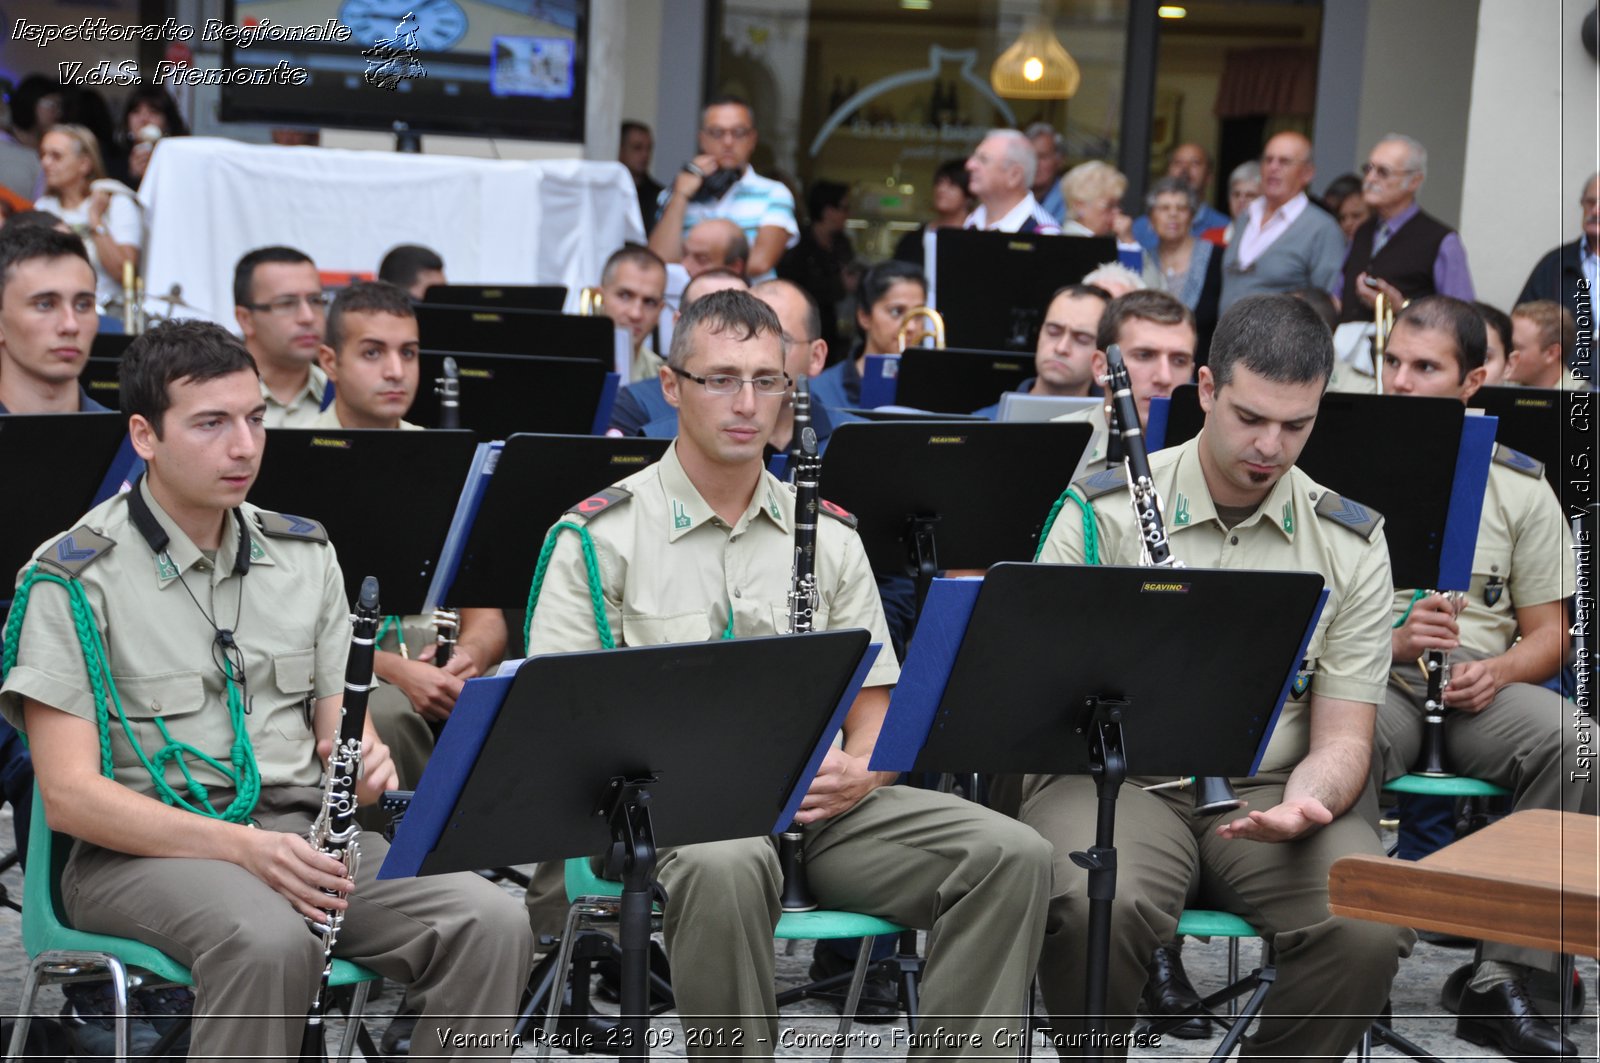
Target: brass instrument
[
  {"x": 918, "y": 313},
  {"x": 1383, "y": 312},
  {"x": 590, "y": 300}
]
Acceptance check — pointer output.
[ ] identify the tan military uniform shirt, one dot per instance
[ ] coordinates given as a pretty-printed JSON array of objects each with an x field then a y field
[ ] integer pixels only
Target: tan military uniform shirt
[
  {"x": 1524, "y": 556},
  {"x": 303, "y": 409},
  {"x": 329, "y": 418},
  {"x": 1094, "y": 459},
  {"x": 293, "y": 628},
  {"x": 646, "y": 364},
  {"x": 1349, "y": 652},
  {"x": 1571, "y": 381},
  {"x": 671, "y": 569}
]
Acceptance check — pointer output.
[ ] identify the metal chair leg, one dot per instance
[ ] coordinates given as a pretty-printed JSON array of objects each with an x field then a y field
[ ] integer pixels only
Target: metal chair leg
[
  {"x": 353, "y": 1020},
  {"x": 552, "y": 1015},
  {"x": 852, "y": 999},
  {"x": 119, "y": 992},
  {"x": 30, "y": 993}
]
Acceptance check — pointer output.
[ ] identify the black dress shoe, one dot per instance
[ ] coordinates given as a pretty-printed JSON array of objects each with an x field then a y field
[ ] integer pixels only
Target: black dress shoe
[
  {"x": 880, "y": 997},
  {"x": 1169, "y": 992},
  {"x": 1506, "y": 1020}
]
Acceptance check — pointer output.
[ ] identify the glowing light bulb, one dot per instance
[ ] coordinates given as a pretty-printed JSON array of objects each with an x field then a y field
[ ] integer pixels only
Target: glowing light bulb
[{"x": 1032, "y": 68}]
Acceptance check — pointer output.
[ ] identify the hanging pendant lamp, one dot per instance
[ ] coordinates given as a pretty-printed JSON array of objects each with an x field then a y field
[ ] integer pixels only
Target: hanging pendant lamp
[{"x": 1035, "y": 67}]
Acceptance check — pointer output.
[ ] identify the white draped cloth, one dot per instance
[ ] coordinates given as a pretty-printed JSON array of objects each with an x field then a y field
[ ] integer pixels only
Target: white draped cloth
[{"x": 210, "y": 200}]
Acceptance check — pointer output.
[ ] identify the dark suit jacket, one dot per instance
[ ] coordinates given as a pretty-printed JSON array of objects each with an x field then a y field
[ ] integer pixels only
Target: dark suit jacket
[{"x": 1556, "y": 278}]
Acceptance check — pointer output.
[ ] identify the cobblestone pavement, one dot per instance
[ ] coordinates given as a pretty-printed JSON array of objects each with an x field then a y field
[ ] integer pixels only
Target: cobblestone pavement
[{"x": 810, "y": 1024}]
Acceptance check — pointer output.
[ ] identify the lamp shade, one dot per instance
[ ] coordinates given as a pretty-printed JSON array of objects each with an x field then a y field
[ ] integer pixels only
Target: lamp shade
[{"x": 1035, "y": 67}]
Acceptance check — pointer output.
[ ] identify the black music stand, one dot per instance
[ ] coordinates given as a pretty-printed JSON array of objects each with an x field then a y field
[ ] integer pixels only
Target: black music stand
[
  {"x": 73, "y": 452},
  {"x": 932, "y": 496},
  {"x": 547, "y": 297},
  {"x": 640, "y": 748},
  {"x": 362, "y": 485},
  {"x": 110, "y": 345},
  {"x": 993, "y": 288},
  {"x": 506, "y": 393},
  {"x": 536, "y": 479},
  {"x": 1531, "y": 420},
  {"x": 465, "y": 329},
  {"x": 1394, "y": 453},
  {"x": 955, "y": 380},
  {"x": 100, "y": 379},
  {"x": 1100, "y": 710}
]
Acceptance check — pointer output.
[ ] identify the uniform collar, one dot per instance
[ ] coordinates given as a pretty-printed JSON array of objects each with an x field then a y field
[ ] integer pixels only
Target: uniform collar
[
  {"x": 686, "y": 510},
  {"x": 181, "y": 554},
  {"x": 316, "y": 387},
  {"x": 1191, "y": 504}
]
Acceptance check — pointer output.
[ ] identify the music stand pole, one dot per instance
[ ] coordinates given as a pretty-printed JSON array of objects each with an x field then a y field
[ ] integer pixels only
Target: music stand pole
[
  {"x": 633, "y": 840},
  {"x": 1109, "y": 765}
]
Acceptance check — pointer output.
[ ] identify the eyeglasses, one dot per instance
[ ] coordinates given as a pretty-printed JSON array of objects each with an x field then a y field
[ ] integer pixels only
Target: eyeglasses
[
  {"x": 1382, "y": 173},
  {"x": 770, "y": 385},
  {"x": 717, "y": 133},
  {"x": 286, "y": 305}
]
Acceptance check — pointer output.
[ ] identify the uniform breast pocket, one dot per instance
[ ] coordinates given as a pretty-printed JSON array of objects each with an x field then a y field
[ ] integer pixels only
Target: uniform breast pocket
[
  {"x": 294, "y": 680},
  {"x": 172, "y": 698},
  {"x": 641, "y": 630}
]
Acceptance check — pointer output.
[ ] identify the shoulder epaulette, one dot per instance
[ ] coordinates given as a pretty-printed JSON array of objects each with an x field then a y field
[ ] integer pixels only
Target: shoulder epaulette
[
  {"x": 289, "y": 526},
  {"x": 1516, "y": 459},
  {"x": 597, "y": 504},
  {"x": 1103, "y": 483},
  {"x": 838, "y": 513},
  {"x": 76, "y": 550},
  {"x": 1363, "y": 520}
]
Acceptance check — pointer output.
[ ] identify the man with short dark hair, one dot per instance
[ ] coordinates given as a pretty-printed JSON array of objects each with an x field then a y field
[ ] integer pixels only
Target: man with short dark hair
[
  {"x": 281, "y": 309},
  {"x": 633, "y": 285},
  {"x": 634, "y": 148},
  {"x": 48, "y": 321},
  {"x": 1063, "y": 358},
  {"x": 1507, "y": 635},
  {"x": 1401, "y": 250},
  {"x": 719, "y": 183},
  {"x": 219, "y": 637},
  {"x": 663, "y": 555},
  {"x": 1233, "y": 498},
  {"x": 413, "y": 268}
]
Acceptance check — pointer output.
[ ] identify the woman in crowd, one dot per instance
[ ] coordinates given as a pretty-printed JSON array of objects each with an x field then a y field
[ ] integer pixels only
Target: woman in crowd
[
  {"x": 1244, "y": 185},
  {"x": 885, "y": 295},
  {"x": 109, "y": 224},
  {"x": 1345, "y": 202},
  {"x": 151, "y": 115},
  {"x": 1191, "y": 268},
  {"x": 1093, "y": 194},
  {"x": 951, "y": 205}
]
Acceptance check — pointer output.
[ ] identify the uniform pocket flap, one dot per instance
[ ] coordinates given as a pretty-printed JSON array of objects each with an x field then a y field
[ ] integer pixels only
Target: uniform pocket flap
[
  {"x": 295, "y": 672},
  {"x": 147, "y": 697}
]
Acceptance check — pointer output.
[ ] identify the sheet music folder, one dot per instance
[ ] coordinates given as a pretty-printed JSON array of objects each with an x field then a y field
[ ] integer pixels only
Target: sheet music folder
[
  {"x": 521, "y": 772},
  {"x": 362, "y": 485},
  {"x": 1002, "y": 669}
]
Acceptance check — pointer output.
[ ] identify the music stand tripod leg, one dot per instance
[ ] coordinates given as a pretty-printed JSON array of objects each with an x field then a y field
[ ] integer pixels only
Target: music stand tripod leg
[
  {"x": 1110, "y": 768},
  {"x": 634, "y": 842}
]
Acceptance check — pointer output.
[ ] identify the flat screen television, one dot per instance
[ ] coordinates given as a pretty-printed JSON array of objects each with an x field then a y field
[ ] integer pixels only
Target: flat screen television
[{"x": 488, "y": 68}]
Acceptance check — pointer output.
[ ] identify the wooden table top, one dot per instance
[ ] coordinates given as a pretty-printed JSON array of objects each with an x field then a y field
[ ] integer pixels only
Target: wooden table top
[{"x": 1532, "y": 878}]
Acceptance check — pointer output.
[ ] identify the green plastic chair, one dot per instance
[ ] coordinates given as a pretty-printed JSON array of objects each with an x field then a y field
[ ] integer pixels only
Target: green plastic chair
[
  {"x": 60, "y": 954},
  {"x": 592, "y": 897},
  {"x": 1444, "y": 786}
]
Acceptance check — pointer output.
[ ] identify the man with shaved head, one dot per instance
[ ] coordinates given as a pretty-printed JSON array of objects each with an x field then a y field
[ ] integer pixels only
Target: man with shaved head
[
  {"x": 715, "y": 243},
  {"x": 1278, "y": 245}
]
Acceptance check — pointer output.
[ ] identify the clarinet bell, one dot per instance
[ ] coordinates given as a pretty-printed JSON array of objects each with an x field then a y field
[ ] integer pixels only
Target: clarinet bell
[
  {"x": 1213, "y": 794},
  {"x": 796, "y": 896},
  {"x": 1430, "y": 761}
]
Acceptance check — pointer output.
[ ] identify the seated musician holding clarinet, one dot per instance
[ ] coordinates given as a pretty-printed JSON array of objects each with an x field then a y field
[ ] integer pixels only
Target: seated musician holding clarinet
[
  {"x": 702, "y": 545},
  {"x": 1233, "y": 498},
  {"x": 177, "y": 662},
  {"x": 1491, "y": 652}
]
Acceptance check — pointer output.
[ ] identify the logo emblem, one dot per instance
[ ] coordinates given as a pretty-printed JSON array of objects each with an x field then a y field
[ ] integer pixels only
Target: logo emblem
[
  {"x": 1492, "y": 591},
  {"x": 69, "y": 550},
  {"x": 256, "y": 552},
  {"x": 680, "y": 519},
  {"x": 1302, "y": 679},
  {"x": 1180, "y": 516},
  {"x": 165, "y": 569},
  {"x": 1288, "y": 517}
]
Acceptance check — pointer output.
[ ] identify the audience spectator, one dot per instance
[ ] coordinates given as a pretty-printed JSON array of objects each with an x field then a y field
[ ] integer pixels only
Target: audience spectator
[
  {"x": 1497, "y": 355},
  {"x": 149, "y": 116},
  {"x": 887, "y": 292},
  {"x": 1401, "y": 250},
  {"x": 1191, "y": 163},
  {"x": 1093, "y": 192},
  {"x": 999, "y": 177},
  {"x": 1279, "y": 245},
  {"x": 634, "y": 149},
  {"x": 1344, "y": 200},
  {"x": 1543, "y": 336},
  {"x": 412, "y": 267},
  {"x": 19, "y": 162},
  {"x": 719, "y": 183},
  {"x": 1341, "y": 187},
  {"x": 35, "y": 109},
  {"x": 1244, "y": 188},
  {"x": 1191, "y": 268},
  {"x": 951, "y": 204},
  {"x": 817, "y": 263},
  {"x": 1049, "y": 152},
  {"x": 1558, "y": 275},
  {"x": 715, "y": 243},
  {"x": 1322, "y": 303},
  {"x": 109, "y": 224}
]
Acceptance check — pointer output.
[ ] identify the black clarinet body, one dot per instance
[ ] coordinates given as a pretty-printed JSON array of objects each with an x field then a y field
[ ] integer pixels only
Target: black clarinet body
[
  {"x": 1435, "y": 666},
  {"x": 1212, "y": 794},
  {"x": 335, "y": 829},
  {"x": 448, "y": 388},
  {"x": 802, "y": 612}
]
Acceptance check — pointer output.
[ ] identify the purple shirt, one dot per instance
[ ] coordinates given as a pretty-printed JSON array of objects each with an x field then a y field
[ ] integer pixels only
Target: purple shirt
[{"x": 1450, "y": 274}]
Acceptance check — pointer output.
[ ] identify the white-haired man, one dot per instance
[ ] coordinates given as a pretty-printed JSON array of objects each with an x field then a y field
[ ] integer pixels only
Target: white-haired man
[
  {"x": 1000, "y": 178},
  {"x": 1401, "y": 250}
]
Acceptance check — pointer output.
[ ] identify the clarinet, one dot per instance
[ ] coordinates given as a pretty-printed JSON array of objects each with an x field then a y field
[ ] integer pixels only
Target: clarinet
[
  {"x": 448, "y": 388},
  {"x": 1435, "y": 665},
  {"x": 802, "y": 422},
  {"x": 334, "y": 831},
  {"x": 447, "y": 622},
  {"x": 802, "y": 611},
  {"x": 1212, "y": 793}
]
